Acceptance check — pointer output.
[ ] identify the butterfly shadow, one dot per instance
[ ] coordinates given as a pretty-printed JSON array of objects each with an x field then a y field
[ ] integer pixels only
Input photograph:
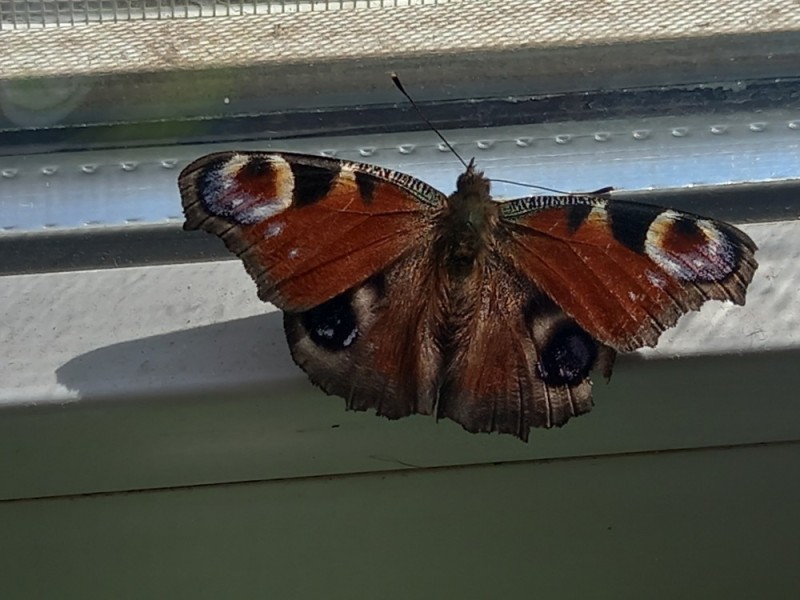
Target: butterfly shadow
[
  {"x": 247, "y": 352},
  {"x": 649, "y": 403}
]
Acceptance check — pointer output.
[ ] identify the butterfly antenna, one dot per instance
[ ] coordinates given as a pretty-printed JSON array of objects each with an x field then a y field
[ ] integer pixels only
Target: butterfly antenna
[
  {"x": 531, "y": 186},
  {"x": 403, "y": 91},
  {"x": 601, "y": 192}
]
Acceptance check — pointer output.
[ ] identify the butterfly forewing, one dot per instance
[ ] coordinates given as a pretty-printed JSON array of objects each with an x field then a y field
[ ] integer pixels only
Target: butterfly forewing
[
  {"x": 625, "y": 271},
  {"x": 292, "y": 218}
]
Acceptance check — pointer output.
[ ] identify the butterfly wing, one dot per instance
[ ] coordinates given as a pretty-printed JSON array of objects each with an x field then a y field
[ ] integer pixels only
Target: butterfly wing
[
  {"x": 376, "y": 345},
  {"x": 515, "y": 360},
  {"x": 625, "y": 271},
  {"x": 307, "y": 228},
  {"x": 489, "y": 351},
  {"x": 568, "y": 281}
]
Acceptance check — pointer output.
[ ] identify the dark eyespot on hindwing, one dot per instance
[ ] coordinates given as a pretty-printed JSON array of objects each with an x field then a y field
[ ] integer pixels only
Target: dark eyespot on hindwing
[
  {"x": 332, "y": 325},
  {"x": 568, "y": 356}
]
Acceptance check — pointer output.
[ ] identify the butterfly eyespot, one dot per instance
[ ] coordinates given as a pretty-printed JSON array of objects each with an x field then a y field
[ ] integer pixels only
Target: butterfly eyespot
[
  {"x": 234, "y": 188},
  {"x": 689, "y": 250},
  {"x": 332, "y": 325},
  {"x": 568, "y": 356}
]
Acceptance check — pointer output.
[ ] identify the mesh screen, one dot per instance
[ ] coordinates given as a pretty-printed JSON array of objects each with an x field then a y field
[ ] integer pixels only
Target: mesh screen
[{"x": 22, "y": 14}]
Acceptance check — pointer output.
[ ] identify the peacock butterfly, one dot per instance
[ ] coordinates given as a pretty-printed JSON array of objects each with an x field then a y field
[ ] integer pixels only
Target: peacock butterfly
[{"x": 400, "y": 298}]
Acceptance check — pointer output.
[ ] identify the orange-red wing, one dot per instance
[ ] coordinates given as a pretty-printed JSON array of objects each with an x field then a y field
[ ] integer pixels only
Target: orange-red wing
[
  {"x": 494, "y": 355},
  {"x": 624, "y": 271},
  {"x": 515, "y": 361},
  {"x": 307, "y": 228},
  {"x": 377, "y": 345}
]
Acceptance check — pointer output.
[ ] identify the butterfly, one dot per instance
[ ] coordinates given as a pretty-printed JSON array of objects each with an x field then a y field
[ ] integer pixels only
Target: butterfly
[{"x": 402, "y": 299}]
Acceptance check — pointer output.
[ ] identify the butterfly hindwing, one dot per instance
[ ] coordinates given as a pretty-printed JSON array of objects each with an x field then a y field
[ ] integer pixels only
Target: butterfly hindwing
[
  {"x": 377, "y": 345},
  {"x": 492, "y": 353},
  {"x": 307, "y": 228},
  {"x": 515, "y": 360},
  {"x": 625, "y": 271}
]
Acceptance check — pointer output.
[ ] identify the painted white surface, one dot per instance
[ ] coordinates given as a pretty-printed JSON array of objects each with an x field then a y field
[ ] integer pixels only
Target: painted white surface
[{"x": 692, "y": 525}]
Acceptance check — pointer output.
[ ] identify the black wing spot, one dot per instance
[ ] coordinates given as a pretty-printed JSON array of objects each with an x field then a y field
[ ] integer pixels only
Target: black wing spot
[
  {"x": 311, "y": 183},
  {"x": 256, "y": 166},
  {"x": 576, "y": 215},
  {"x": 631, "y": 222},
  {"x": 568, "y": 356},
  {"x": 686, "y": 227},
  {"x": 332, "y": 325},
  {"x": 366, "y": 186}
]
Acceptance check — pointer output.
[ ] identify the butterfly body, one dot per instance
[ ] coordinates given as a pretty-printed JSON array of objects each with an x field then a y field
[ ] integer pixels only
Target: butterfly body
[{"x": 402, "y": 299}]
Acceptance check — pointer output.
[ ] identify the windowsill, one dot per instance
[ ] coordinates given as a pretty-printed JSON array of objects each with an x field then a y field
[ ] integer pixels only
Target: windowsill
[
  {"x": 177, "y": 375},
  {"x": 171, "y": 373}
]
